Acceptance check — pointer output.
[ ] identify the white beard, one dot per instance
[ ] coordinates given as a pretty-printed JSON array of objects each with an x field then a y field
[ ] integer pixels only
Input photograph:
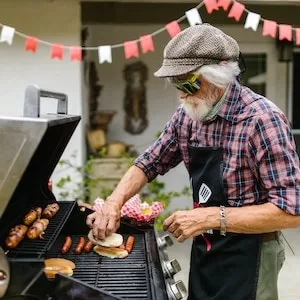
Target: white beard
[{"x": 196, "y": 108}]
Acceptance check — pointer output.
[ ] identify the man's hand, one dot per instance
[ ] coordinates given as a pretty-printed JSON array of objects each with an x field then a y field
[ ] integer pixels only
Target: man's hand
[
  {"x": 106, "y": 221},
  {"x": 188, "y": 223}
]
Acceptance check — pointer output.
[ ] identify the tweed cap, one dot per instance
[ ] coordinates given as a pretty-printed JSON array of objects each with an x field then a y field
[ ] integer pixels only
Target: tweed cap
[{"x": 196, "y": 46}]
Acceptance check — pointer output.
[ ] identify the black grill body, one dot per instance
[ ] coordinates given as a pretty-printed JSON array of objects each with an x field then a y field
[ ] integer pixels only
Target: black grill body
[{"x": 137, "y": 277}]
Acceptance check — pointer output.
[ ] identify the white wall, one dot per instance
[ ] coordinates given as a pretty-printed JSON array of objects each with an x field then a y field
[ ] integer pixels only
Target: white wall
[
  {"x": 56, "y": 21},
  {"x": 161, "y": 98}
]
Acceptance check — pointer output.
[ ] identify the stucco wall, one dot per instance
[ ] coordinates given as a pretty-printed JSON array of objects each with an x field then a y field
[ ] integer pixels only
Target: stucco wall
[{"x": 55, "y": 21}]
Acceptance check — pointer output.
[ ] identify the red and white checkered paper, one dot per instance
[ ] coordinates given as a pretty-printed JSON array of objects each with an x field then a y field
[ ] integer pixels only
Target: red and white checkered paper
[{"x": 134, "y": 208}]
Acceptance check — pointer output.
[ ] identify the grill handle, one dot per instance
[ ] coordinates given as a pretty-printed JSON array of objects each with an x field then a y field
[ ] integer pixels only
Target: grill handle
[{"x": 33, "y": 96}]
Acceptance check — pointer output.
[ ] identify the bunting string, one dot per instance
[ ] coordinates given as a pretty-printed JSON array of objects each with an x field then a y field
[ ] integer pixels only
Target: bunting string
[{"x": 235, "y": 11}]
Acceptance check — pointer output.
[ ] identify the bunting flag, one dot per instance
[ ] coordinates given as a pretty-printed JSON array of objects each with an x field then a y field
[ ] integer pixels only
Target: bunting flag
[
  {"x": 236, "y": 11},
  {"x": 224, "y": 4},
  {"x": 7, "y": 34},
  {"x": 57, "y": 51},
  {"x": 146, "y": 43},
  {"x": 76, "y": 53},
  {"x": 252, "y": 21},
  {"x": 131, "y": 48},
  {"x": 298, "y": 36},
  {"x": 211, "y": 5},
  {"x": 173, "y": 28},
  {"x": 270, "y": 28},
  {"x": 285, "y": 32},
  {"x": 193, "y": 17},
  {"x": 31, "y": 44},
  {"x": 104, "y": 54}
]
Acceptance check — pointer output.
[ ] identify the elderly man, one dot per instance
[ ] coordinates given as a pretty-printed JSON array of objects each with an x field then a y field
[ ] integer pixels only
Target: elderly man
[{"x": 243, "y": 167}]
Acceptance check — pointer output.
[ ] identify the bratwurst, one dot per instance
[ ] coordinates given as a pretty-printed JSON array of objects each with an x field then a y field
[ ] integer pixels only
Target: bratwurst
[
  {"x": 37, "y": 229},
  {"x": 15, "y": 236}
]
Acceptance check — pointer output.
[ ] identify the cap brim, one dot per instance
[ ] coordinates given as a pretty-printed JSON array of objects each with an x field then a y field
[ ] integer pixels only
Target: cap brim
[{"x": 172, "y": 71}]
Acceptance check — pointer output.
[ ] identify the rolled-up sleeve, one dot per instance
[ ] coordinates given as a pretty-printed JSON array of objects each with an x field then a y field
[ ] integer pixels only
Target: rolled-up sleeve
[
  {"x": 273, "y": 153},
  {"x": 164, "y": 153}
]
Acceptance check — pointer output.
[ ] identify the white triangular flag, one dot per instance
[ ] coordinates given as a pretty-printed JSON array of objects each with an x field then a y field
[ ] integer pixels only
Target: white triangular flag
[
  {"x": 252, "y": 21},
  {"x": 7, "y": 34},
  {"x": 104, "y": 53},
  {"x": 193, "y": 16}
]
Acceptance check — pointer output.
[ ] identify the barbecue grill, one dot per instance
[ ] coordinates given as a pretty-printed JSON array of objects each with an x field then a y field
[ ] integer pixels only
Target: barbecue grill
[{"x": 31, "y": 147}]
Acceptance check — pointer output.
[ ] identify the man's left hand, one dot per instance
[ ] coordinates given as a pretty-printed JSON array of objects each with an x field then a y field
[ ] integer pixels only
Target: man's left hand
[{"x": 186, "y": 224}]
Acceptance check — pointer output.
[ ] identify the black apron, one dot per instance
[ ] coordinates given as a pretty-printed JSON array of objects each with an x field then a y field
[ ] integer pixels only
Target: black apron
[{"x": 222, "y": 267}]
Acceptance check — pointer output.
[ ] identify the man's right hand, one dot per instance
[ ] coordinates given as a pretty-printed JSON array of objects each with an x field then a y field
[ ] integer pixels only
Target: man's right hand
[{"x": 106, "y": 221}]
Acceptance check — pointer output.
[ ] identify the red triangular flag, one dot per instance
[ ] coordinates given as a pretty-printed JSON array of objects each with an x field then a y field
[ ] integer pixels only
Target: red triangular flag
[
  {"x": 173, "y": 28},
  {"x": 297, "y": 36},
  {"x": 31, "y": 44},
  {"x": 76, "y": 53},
  {"x": 224, "y": 4},
  {"x": 57, "y": 51},
  {"x": 211, "y": 5},
  {"x": 285, "y": 32},
  {"x": 131, "y": 49},
  {"x": 146, "y": 43},
  {"x": 270, "y": 28},
  {"x": 236, "y": 11}
]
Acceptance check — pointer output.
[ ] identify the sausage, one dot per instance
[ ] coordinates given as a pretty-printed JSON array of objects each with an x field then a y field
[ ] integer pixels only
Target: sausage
[
  {"x": 15, "y": 236},
  {"x": 88, "y": 247},
  {"x": 129, "y": 243},
  {"x": 50, "y": 210},
  {"x": 37, "y": 229},
  {"x": 67, "y": 245},
  {"x": 34, "y": 214},
  {"x": 80, "y": 245},
  {"x": 122, "y": 246}
]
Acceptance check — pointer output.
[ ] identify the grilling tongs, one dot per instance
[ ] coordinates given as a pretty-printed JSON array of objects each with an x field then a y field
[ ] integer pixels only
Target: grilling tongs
[{"x": 4, "y": 273}]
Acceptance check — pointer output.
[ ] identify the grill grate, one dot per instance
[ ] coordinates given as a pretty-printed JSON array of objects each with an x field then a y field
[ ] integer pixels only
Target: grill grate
[
  {"x": 37, "y": 248},
  {"x": 126, "y": 278}
]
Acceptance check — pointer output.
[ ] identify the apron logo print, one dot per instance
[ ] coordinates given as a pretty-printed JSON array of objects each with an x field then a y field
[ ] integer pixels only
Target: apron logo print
[{"x": 204, "y": 193}]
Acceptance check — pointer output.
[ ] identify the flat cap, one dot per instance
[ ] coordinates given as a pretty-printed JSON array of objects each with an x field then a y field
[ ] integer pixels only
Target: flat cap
[{"x": 196, "y": 46}]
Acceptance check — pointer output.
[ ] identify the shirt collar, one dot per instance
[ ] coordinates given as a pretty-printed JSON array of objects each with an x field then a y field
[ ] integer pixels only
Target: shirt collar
[{"x": 231, "y": 106}]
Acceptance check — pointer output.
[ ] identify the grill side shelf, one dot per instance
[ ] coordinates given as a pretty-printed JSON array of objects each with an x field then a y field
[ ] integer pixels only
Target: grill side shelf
[{"x": 38, "y": 248}]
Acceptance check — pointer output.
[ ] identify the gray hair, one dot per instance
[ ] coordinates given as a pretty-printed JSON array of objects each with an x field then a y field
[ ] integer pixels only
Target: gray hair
[{"x": 220, "y": 74}]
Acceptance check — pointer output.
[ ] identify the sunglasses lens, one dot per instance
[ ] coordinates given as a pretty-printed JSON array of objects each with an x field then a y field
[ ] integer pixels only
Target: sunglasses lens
[{"x": 190, "y": 86}]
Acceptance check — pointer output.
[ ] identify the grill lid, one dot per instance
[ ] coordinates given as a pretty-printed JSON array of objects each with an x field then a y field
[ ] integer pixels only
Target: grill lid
[{"x": 31, "y": 147}]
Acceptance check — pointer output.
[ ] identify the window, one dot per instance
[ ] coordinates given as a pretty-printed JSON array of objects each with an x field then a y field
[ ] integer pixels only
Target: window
[{"x": 256, "y": 72}]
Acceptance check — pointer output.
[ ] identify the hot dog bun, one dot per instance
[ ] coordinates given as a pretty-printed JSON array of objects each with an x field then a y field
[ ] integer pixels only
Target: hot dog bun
[
  {"x": 51, "y": 271},
  {"x": 59, "y": 262},
  {"x": 114, "y": 240},
  {"x": 111, "y": 252}
]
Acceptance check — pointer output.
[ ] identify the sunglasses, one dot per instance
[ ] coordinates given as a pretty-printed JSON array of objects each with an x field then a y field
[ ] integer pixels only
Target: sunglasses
[{"x": 190, "y": 85}]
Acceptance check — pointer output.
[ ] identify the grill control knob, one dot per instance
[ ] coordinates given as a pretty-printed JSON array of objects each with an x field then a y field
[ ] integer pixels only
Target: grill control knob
[
  {"x": 171, "y": 267},
  {"x": 178, "y": 290},
  {"x": 164, "y": 241}
]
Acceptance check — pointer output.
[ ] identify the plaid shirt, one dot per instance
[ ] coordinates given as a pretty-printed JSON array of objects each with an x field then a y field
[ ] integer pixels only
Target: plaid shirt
[{"x": 260, "y": 159}]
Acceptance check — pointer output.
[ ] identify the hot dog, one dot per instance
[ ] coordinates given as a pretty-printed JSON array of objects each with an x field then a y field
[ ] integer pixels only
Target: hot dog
[
  {"x": 88, "y": 247},
  {"x": 129, "y": 243},
  {"x": 67, "y": 245},
  {"x": 80, "y": 245}
]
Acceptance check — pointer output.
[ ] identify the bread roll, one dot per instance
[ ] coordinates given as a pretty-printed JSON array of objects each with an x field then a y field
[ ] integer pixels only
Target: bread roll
[
  {"x": 111, "y": 252},
  {"x": 51, "y": 271},
  {"x": 114, "y": 240},
  {"x": 59, "y": 262}
]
